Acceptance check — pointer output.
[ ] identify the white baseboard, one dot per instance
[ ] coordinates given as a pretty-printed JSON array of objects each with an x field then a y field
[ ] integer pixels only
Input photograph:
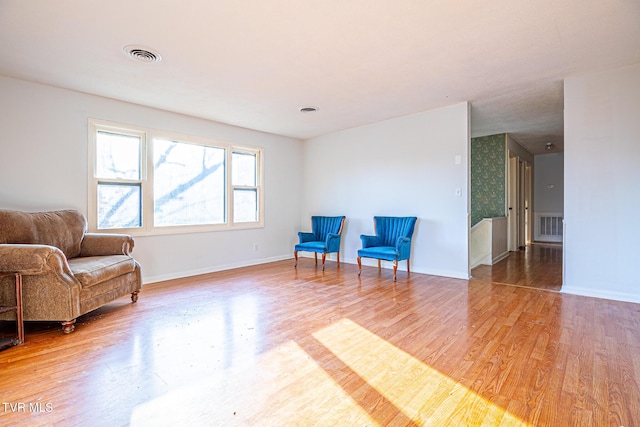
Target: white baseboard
[
  {"x": 402, "y": 266},
  {"x": 500, "y": 257},
  {"x": 603, "y": 294},
  {"x": 197, "y": 272},
  {"x": 483, "y": 260}
]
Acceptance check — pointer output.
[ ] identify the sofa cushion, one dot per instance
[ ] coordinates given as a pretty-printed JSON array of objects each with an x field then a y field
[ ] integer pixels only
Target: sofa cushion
[
  {"x": 62, "y": 229},
  {"x": 96, "y": 269}
]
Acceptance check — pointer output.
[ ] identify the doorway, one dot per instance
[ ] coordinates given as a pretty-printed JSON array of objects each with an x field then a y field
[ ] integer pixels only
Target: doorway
[{"x": 531, "y": 262}]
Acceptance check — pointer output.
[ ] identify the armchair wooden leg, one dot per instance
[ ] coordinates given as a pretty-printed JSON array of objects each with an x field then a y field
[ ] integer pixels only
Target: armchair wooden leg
[
  {"x": 379, "y": 265},
  {"x": 315, "y": 254},
  {"x": 68, "y": 326},
  {"x": 338, "y": 258},
  {"x": 295, "y": 255},
  {"x": 324, "y": 256},
  {"x": 359, "y": 266},
  {"x": 395, "y": 269},
  {"x": 408, "y": 269}
]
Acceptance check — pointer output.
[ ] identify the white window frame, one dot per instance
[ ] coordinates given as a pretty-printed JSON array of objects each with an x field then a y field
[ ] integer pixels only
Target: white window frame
[{"x": 147, "y": 136}]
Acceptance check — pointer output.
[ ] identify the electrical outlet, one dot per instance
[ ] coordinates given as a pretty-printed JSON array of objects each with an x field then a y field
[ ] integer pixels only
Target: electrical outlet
[{"x": 255, "y": 247}]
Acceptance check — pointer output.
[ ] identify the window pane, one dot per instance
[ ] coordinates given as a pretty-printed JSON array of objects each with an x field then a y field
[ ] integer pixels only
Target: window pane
[
  {"x": 117, "y": 156},
  {"x": 244, "y": 169},
  {"x": 245, "y": 205},
  {"x": 189, "y": 183},
  {"x": 119, "y": 205}
]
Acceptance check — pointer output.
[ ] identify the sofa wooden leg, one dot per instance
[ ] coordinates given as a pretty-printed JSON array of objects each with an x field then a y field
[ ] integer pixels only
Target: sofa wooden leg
[
  {"x": 295, "y": 255},
  {"x": 68, "y": 326},
  {"x": 134, "y": 296},
  {"x": 315, "y": 255},
  {"x": 395, "y": 269},
  {"x": 324, "y": 256},
  {"x": 359, "y": 266}
]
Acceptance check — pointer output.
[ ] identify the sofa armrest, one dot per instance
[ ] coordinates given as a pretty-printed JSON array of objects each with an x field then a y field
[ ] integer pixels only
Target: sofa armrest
[
  {"x": 30, "y": 259},
  {"x": 97, "y": 244}
]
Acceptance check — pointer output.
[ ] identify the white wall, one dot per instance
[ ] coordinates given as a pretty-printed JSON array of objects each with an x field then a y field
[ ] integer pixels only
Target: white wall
[
  {"x": 602, "y": 184},
  {"x": 549, "y": 171},
  {"x": 43, "y": 166},
  {"x": 399, "y": 167},
  {"x": 515, "y": 148}
]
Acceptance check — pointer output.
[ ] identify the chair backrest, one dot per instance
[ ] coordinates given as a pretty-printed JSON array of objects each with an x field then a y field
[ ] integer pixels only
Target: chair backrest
[
  {"x": 323, "y": 225},
  {"x": 389, "y": 228}
]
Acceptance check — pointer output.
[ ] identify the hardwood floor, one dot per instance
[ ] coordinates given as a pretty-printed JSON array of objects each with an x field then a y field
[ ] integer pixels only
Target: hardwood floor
[
  {"x": 274, "y": 345},
  {"x": 536, "y": 266}
]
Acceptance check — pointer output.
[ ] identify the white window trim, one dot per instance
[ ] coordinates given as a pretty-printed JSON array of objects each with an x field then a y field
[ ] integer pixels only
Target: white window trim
[{"x": 147, "y": 135}]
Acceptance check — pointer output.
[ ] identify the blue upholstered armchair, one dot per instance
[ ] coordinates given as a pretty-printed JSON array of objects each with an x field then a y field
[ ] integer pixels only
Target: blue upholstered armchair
[
  {"x": 324, "y": 238},
  {"x": 392, "y": 241}
]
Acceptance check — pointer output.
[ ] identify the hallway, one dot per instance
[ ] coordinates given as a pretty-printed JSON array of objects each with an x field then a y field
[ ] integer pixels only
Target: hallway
[{"x": 537, "y": 266}]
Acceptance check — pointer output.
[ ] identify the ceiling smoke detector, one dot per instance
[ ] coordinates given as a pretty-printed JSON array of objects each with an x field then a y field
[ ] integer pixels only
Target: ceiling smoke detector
[{"x": 142, "y": 54}]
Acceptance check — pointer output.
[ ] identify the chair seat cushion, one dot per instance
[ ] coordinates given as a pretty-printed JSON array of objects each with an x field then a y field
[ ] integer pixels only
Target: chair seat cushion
[
  {"x": 311, "y": 247},
  {"x": 388, "y": 253},
  {"x": 96, "y": 269}
]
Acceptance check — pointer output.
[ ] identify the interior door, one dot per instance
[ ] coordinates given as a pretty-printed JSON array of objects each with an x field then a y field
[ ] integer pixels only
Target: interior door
[
  {"x": 512, "y": 202},
  {"x": 522, "y": 203},
  {"x": 528, "y": 209}
]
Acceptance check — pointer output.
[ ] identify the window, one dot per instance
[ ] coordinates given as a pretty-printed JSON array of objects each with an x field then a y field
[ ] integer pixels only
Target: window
[
  {"x": 118, "y": 167},
  {"x": 245, "y": 186},
  {"x": 151, "y": 182},
  {"x": 188, "y": 184}
]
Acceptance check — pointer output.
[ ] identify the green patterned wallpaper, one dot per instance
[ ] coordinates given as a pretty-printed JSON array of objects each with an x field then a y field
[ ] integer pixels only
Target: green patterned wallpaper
[{"x": 488, "y": 169}]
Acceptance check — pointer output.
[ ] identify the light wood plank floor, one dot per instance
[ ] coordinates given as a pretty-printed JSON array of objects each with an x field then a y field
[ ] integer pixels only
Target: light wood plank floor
[{"x": 272, "y": 345}]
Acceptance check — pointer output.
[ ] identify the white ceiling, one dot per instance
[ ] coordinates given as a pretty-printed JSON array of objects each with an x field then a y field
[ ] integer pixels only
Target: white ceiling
[{"x": 254, "y": 63}]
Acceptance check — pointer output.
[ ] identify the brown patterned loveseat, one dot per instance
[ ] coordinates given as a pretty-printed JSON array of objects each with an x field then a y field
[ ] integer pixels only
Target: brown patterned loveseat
[{"x": 66, "y": 272}]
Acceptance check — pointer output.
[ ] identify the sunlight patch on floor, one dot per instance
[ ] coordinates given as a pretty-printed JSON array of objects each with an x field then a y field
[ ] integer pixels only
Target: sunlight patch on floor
[
  {"x": 422, "y": 394},
  {"x": 274, "y": 391}
]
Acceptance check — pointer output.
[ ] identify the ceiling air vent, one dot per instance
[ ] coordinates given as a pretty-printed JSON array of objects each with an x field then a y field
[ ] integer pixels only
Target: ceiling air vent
[{"x": 142, "y": 54}]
